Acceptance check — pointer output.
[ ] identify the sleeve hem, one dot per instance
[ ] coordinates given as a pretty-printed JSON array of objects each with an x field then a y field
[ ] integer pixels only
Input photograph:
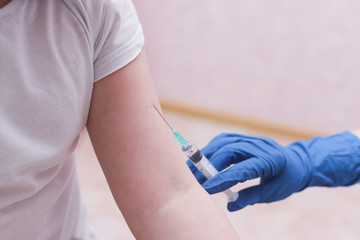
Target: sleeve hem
[
  {"x": 120, "y": 57},
  {"x": 115, "y": 61}
]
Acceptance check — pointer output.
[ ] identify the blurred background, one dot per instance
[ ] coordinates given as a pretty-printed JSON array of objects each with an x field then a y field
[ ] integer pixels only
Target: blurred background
[{"x": 288, "y": 70}]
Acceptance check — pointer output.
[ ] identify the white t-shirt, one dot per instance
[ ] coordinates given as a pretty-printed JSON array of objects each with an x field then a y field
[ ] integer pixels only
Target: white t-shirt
[{"x": 51, "y": 53}]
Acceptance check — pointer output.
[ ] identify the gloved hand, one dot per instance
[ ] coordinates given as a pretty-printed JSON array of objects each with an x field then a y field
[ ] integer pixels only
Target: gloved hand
[{"x": 330, "y": 161}]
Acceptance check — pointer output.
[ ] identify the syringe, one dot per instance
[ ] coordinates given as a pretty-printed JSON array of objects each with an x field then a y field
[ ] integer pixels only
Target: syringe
[{"x": 198, "y": 159}]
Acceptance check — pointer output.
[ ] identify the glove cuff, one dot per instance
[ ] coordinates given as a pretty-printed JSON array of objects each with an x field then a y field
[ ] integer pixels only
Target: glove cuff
[{"x": 334, "y": 160}]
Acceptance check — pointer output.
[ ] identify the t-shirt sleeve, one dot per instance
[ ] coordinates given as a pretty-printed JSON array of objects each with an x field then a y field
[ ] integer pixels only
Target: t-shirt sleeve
[{"x": 116, "y": 34}]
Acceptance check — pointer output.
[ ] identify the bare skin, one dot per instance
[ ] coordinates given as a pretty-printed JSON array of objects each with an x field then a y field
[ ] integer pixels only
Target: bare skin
[
  {"x": 3, "y": 3},
  {"x": 357, "y": 133},
  {"x": 145, "y": 169}
]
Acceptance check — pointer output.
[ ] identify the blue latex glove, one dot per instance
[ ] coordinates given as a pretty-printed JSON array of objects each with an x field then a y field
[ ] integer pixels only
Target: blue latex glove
[{"x": 330, "y": 161}]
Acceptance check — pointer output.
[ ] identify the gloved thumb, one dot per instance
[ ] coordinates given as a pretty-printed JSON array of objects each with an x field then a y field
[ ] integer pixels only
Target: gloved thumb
[{"x": 240, "y": 172}]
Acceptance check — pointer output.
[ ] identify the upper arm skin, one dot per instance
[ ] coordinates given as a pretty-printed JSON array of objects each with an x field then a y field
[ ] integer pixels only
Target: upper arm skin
[
  {"x": 145, "y": 170},
  {"x": 357, "y": 133}
]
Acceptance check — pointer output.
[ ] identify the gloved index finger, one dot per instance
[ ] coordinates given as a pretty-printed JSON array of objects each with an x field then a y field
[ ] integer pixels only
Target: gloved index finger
[
  {"x": 246, "y": 170},
  {"x": 198, "y": 175},
  {"x": 235, "y": 152},
  {"x": 218, "y": 142}
]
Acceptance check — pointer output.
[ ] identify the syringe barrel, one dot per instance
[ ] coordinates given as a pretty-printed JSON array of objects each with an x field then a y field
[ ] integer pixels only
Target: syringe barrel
[
  {"x": 204, "y": 166},
  {"x": 192, "y": 152}
]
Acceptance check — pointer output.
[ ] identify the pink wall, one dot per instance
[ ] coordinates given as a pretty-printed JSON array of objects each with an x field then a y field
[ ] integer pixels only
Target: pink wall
[{"x": 295, "y": 63}]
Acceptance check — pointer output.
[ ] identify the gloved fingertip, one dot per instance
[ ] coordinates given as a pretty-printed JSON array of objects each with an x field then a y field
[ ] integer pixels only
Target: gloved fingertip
[
  {"x": 199, "y": 177},
  {"x": 217, "y": 184},
  {"x": 235, "y": 206},
  {"x": 211, "y": 190},
  {"x": 191, "y": 166},
  {"x": 247, "y": 196},
  {"x": 207, "y": 187}
]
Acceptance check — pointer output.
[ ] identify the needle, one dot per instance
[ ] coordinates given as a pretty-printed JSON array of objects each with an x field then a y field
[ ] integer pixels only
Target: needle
[{"x": 163, "y": 118}]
